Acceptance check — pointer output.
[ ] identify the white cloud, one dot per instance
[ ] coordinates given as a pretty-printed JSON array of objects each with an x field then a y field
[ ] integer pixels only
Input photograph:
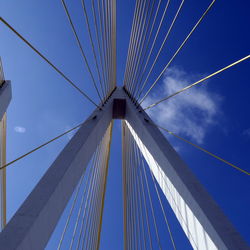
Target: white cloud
[
  {"x": 20, "y": 129},
  {"x": 190, "y": 113}
]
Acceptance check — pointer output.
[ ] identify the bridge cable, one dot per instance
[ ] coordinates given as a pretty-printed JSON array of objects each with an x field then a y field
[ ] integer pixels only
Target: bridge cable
[
  {"x": 130, "y": 41},
  {"x": 163, "y": 211},
  {"x": 124, "y": 185},
  {"x": 141, "y": 163},
  {"x": 178, "y": 50},
  {"x": 72, "y": 208},
  {"x": 101, "y": 189},
  {"x": 152, "y": 207},
  {"x": 41, "y": 146},
  {"x": 104, "y": 39},
  {"x": 50, "y": 63},
  {"x": 80, "y": 47},
  {"x": 89, "y": 200},
  {"x": 137, "y": 212},
  {"x": 132, "y": 205},
  {"x": 141, "y": 41},
  {"x": 146, "y": 209},
  {"x": 144, "y": 198},
  {"x": 137, "y": 36},
  {"x": 104, "y": 23},
  {"x": 92, "y": 46},
  {"x": 114, "y": 28},
  {"x": 140, "y": 196},
  {"x": 107, "y": 16},
  {"x": 139, "y": 10},
  {"x": 106, "y": 162},
  {"x": 197, "y": 82},
  {"x": 101, "y": 30},
  {"x": 175, "y": 203},
  {"x": 86, "y": 189},
  {"x": 95, "y": 212},
  {"x": 141, "y": 45},
  {"x": 134, "y": 220},
  {"x": 140, "y": 200},
  {"x": 92, "y": 213},
  {"x": 132, "y": 224},
  {"x": 142, "y": 69},
  {"x": 128, "y": 189},
  {"x": 98, "y": 45},
  {"x": 92, "y": 206},
  {"x": 162, "y": 45},
  {"x": 109, "y": 40},
  {"x": 204, "y": 150},
  {"x": 133, "y": 215}
]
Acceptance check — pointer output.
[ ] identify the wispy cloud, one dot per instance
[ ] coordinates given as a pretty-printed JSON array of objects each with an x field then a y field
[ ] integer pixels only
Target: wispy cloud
[
  {"x": 190, "y": 113},
  {"x": 20, "y": 129}
]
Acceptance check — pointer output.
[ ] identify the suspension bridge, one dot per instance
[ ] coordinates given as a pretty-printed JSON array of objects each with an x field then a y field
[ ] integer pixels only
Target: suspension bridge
[{"x": 77, "y": 179}]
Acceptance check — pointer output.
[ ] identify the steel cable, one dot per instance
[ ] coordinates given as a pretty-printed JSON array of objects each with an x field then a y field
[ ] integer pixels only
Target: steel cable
[
  {"x": 92, "y": 46},
  {"x": 178, "y": 50},
  {"x": 45, "y": 59},
  {"x": 162, "y": 45},
  {"x": 197, "y": 82}
]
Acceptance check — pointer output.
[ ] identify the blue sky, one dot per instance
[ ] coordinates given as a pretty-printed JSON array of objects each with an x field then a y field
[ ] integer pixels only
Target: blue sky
[{"x": 44, "y": 105}]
